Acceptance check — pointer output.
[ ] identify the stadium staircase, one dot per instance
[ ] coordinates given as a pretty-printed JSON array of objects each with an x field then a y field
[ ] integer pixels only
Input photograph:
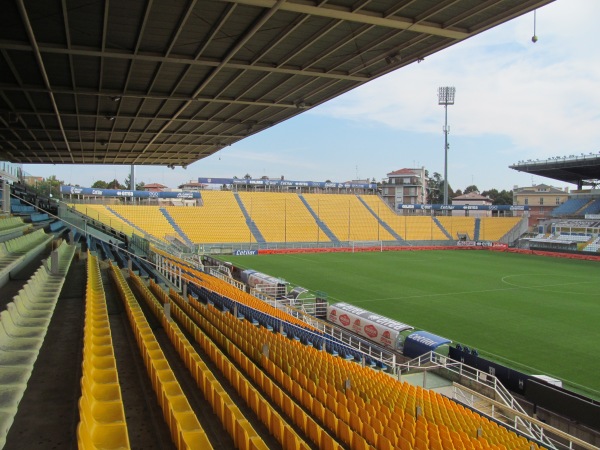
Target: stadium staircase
[
  {"x": 477, "y": 229},
  {"x": 479, "y": 390},
  {"x": 380, "y": 220},
  {"x": 253, "y": 228},
  {"x": 131, "y": 224},
  {"x": 590, "y": 208},
  {"x": 176, "y": 227},
  {"x": 332, "y": 237},
  {"x": 441, "y": 227},
  {"x": 570, "y": 207}
]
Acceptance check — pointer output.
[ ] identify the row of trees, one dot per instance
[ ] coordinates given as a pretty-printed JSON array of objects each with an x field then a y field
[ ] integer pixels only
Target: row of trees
[
  {"x": 114, "y": 184},
  {"x": 435, "y": 194}
]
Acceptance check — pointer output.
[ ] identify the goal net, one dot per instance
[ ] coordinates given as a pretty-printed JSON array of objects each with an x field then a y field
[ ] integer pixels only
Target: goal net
[{"x": 367, "y": 246}]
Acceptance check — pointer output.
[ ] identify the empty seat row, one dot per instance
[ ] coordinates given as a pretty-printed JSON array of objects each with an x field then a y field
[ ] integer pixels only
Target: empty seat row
[
  {"x": 23, "y": 326},
  {"x": 148, "y": 218},
  {"x": 9, "y": 225},
  {"x": 232, "y": 418},
  {"x": 102, "y": 423},
  {"x": 101, "y": 214},
  {"x": 15, "y": 252},
  {"x": 389, "y": 403},
  {"x": 186, "y": 431},
  {"x": 203, "y": 331}
]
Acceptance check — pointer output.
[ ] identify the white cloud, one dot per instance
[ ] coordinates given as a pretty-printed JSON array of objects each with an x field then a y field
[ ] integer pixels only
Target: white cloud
[{"x": 543, "y": 97}]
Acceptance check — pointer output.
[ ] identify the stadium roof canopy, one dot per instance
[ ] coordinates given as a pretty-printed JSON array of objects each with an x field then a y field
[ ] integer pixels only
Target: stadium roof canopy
[
  {"x": 580, "y": 170},
  {"x": 172, "y": 81}
]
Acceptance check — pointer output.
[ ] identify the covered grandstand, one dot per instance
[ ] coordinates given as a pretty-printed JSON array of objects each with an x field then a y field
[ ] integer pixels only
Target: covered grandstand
[
  {"x": 573, "y": 225},
  {"x": 102, "y": 349}
]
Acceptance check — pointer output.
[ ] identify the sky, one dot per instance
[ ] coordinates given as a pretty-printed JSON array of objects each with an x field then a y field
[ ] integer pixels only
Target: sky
[{"x": 515, "y": 100}]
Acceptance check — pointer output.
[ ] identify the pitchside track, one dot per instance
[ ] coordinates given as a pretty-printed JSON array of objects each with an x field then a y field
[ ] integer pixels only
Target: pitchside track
[{"x": 537, "y": 314}]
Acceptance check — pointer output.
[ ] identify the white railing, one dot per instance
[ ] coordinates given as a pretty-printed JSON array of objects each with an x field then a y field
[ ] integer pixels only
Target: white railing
[
  {"x": 501, "y": 394},
  {"x": 548, "y": 435}
]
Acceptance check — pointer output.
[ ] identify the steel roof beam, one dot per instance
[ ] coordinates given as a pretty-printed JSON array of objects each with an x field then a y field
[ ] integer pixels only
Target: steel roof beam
[
  {"x": 41, "y": 67},
  {"x": 205, "y": 62},
  {"x": 363, "y": 16}
]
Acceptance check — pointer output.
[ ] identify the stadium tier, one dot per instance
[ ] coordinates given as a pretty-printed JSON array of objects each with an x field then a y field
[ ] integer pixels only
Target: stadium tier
[
  {"x": 282, "y": 217},
  {"x": 149, "y": 219},
  {"x": 456, "y": 226},
  {"x": 347, "y": 217},
  {"x": 268, "y": 386},
  {"x": 570, "y": 207},
  {"x": 275, "y": 218},
  {"x": 592, "y": 208},
  {"x": 107, "y": 217},
  {"x": 494, "y": 228},
  {"x": 220, "y": 219}
]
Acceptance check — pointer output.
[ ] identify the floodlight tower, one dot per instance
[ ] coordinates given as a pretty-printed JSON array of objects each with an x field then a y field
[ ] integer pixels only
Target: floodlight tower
[{"x": 446, "y": 97}]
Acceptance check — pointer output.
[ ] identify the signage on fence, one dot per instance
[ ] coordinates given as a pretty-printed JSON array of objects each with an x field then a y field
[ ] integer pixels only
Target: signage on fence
[
  {"x": 466, "y": 207},
  {"x": 375, "y": 327},
  {"x": 286, "y": 183},
  {"x": 75, "y": 190},
  {"x": 245, "y": 252}
]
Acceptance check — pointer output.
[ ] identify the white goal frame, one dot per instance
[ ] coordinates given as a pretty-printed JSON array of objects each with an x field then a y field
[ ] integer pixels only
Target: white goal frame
[{"x": 373, "y": 245}]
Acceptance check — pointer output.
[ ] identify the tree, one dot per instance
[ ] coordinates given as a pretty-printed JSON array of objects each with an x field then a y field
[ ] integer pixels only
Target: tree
[
  {"x": 100, "y": 184},
  {"x": 114, "y": 184},
  {"x": 471, "y": 188},
  {"x": 503, "y": 197},
  {"x": 49, "y": 187},
  {"x": 138, "y": 186},
  {"x": 435, "y": 189},
  {"x": 247, "y": 176}
]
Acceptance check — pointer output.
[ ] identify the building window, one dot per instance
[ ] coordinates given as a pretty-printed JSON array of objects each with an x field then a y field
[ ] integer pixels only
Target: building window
[
  {"x": 541, "y": 200},
  {"x": 526, "y": 201},
  {"x": 557, "y": 201}
]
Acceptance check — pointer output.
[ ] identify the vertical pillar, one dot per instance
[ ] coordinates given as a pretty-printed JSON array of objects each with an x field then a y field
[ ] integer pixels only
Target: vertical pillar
[
  {"x": 5, "y": 197},
  {"x": 184, "y": 291},
  {"x": 132, "y": 178},
  {"x": 54, "y": 262},
  {"x": 167, "y": 309}
]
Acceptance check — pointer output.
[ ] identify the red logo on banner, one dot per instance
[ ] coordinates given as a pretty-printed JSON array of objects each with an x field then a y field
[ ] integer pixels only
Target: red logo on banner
[
  {"x": 345, "y": 320},
  {"x": 386, "y": 334},
  {"x": 371, "y": 331}
]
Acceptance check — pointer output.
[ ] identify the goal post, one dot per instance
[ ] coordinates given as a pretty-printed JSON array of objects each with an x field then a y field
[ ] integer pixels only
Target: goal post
[{"x": 366, "y": 246}]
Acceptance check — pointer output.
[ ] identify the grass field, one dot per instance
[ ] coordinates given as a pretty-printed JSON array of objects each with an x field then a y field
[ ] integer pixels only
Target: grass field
[{"x": 536, "y": 314}]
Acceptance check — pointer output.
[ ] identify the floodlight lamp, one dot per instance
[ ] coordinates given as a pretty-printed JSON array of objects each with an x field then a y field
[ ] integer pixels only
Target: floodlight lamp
[{"x": 446, "y": 95}]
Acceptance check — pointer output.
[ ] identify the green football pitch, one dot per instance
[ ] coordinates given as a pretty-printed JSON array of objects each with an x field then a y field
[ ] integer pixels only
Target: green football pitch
[{"x": 536, "y": 314}]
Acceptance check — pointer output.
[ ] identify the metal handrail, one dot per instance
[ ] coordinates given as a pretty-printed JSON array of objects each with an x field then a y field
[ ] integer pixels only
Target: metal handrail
[{"x": 480, "y": 377}]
